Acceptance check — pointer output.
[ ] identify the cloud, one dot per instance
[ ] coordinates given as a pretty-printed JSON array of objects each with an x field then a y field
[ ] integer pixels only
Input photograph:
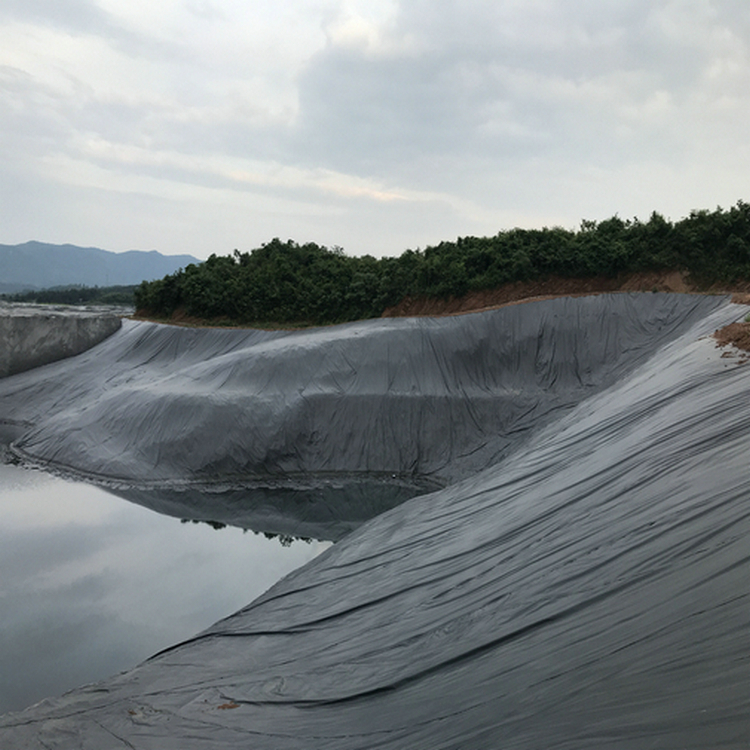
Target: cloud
[
  {"x": 486, "y": 99},
  {"x": 331, "y": 113},
  {"x": 510, "y": 80},
  {"x": 73, "y": 15}
]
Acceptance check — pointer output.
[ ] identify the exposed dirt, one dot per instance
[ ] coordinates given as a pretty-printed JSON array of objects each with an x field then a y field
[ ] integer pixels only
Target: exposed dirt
[
  {"x": 735, "y": 334},
  {"x": 508, "y": 294}
]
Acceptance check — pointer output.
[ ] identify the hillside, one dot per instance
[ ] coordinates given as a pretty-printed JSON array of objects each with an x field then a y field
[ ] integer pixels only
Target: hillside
[
  {"x": 38, "y": 265},
  {"x": 288, "y": 284}
]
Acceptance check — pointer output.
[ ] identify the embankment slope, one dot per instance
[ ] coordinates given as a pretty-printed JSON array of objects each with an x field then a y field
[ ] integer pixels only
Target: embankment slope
[
  {"x": 433, "y": 399},
  {"x": 588, "y": 590},
  {"x": 32, "y": 336}
]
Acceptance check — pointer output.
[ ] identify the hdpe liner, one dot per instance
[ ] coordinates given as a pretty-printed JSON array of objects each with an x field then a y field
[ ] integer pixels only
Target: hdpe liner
[
  {"x": 423, "y": 401},
  {"x": 587, "y": 590}
]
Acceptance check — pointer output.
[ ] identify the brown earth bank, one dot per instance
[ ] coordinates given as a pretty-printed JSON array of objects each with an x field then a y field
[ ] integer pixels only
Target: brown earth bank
[
  {"x": 527, "y": 291},
  {"x": 735, "y": 334}
]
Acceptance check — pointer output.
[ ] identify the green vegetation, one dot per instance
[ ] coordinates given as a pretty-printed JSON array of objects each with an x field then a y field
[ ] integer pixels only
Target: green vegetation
[
  {"x": 287, "y": 283},
  {"x": 77, "y": 295}
]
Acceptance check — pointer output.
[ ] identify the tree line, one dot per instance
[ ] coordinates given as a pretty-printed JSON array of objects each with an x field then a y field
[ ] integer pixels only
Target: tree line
[{"x": 290, "y": 283}]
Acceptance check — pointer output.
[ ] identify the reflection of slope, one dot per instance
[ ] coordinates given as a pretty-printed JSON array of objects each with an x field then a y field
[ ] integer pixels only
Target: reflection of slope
[
  {"x": 590, "y": 591},
  {"x": 327, "y": 509}
]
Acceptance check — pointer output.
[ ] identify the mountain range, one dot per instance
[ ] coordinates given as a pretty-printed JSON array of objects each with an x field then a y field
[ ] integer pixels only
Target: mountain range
[{"x": 39, "y": 265}]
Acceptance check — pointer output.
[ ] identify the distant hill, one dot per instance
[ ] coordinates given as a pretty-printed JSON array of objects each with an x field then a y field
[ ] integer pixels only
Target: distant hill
[
  {"x": 284, "y": 283},
  {"x": 38, "y": 265}
]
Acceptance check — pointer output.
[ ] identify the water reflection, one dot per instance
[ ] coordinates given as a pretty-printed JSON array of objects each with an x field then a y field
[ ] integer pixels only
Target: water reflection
[
  {"x": 304, "y": 508},
  {"x": 285, "y": 540},
  {"x": 92, "y": 585}
]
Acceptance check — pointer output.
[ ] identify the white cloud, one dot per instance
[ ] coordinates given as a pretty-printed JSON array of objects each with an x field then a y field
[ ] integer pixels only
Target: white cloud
[{"x": 374, "y": 125}]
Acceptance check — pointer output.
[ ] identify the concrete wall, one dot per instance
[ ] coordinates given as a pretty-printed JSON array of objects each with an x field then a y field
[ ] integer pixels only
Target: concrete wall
[{"x": 33, "y": 336}]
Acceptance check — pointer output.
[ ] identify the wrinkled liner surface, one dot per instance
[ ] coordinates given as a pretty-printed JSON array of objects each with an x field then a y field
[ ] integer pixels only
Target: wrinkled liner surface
[{"x": 589, "y": 591}]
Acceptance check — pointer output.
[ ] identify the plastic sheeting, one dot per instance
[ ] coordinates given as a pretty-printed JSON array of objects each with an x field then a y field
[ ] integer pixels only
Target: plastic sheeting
[
  {"x": 33, "y": 335},
  {"x": 310, "y": 433},
  {"x": 589, "y": 590},
  {"x": 408, "y": 399}
]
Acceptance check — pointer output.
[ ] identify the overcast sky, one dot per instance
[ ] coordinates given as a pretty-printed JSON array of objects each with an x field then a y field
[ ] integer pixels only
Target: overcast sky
[{"x": 202, "y": 126}]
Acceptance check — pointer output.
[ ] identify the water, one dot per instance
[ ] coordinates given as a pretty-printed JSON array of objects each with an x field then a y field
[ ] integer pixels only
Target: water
[{"x": 92, "y": 584}]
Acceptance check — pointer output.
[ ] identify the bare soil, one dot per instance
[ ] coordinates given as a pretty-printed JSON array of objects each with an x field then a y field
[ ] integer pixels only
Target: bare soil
[
  {"x": 735, "y": 334},
  {"x": 508, "y": 294}
]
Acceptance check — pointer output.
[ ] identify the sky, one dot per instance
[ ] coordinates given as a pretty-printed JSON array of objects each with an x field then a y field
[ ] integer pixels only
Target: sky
[{"x": 201, "y": 126}]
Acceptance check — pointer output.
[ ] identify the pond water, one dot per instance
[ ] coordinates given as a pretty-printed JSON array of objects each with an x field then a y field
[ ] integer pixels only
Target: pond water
[{"x": 92, "y": 584}]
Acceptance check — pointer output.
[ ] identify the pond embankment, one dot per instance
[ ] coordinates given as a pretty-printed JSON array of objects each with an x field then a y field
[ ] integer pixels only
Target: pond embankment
[
  {"x": 31, "y": 336},
  {"x": 579, "y": 581}
]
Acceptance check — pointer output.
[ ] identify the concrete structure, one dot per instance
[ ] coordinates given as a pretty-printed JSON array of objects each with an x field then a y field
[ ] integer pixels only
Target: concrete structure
[{"x": 32, "y": 335}]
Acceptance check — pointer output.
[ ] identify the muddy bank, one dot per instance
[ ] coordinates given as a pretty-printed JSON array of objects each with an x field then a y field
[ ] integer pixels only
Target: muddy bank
[{"x": 735, "y": 334}]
